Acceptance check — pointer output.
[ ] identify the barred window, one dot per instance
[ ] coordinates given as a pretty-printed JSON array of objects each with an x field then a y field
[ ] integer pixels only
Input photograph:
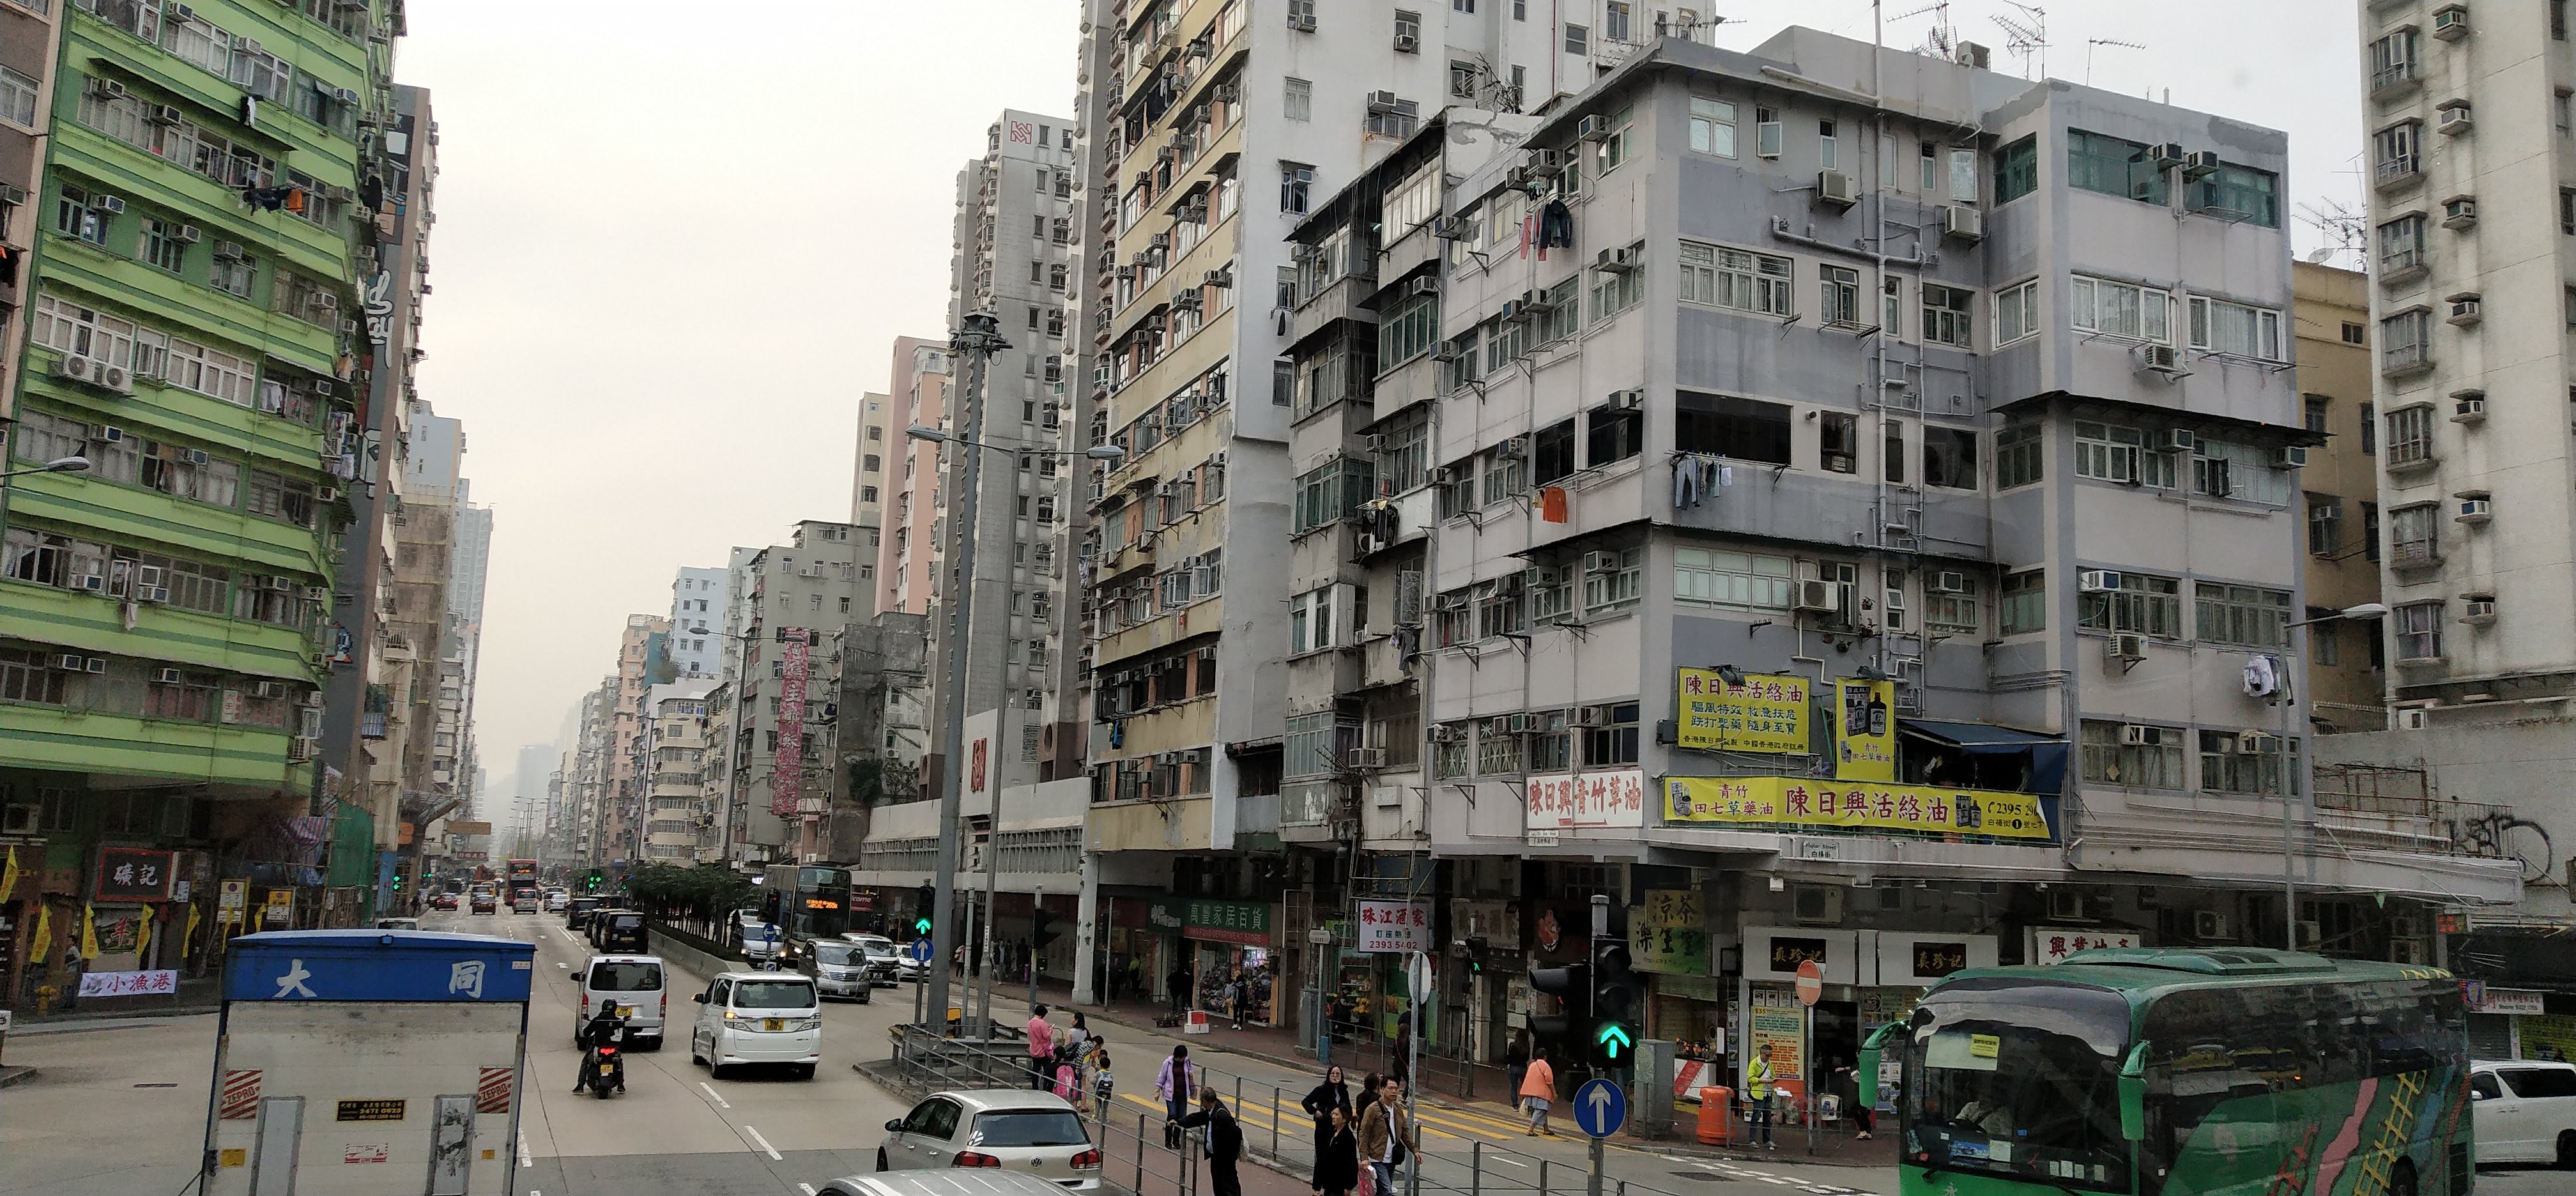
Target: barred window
[
  {"x": 1497, "y": 753},
  {"x": 1452, "y": 755}
]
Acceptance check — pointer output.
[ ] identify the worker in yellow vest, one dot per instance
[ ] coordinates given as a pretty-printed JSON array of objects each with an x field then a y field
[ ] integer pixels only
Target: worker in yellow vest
[{"x": 1757, "y": 1091}]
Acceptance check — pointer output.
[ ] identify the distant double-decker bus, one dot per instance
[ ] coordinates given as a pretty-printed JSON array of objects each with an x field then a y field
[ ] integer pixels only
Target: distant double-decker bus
[
  {"x": 2146, "y": 1072},
  {"x": 523, "y": 876}
]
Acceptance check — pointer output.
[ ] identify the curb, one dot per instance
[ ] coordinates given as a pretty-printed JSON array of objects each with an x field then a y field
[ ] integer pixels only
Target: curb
[
  {"x": 105, "y": 1021},
  {"x": 14, "y": 1075}
]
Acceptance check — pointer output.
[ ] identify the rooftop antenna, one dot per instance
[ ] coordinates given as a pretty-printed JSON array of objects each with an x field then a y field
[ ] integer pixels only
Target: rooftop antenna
[
  {"x": 2026, "y": 36},
  {"x": 2091, "y": 42},
  {"x": 1941, "y": 41},
  {"x": 2345, "y": 230}
]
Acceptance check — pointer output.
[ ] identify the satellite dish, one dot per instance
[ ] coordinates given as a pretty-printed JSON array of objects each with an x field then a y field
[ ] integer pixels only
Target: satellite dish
[{"x": 2320, "y": 257}]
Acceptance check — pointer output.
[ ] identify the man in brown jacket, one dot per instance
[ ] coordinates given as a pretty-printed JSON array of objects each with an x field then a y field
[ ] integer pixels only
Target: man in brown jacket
[{"x": 1386, "y": 1134}]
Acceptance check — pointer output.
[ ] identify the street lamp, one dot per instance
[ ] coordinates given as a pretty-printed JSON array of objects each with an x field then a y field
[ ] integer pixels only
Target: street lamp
[
  {"x": 74, "y": 464},
  {"x": 2292, "y": 775},
  {"x": 1097, "y": 452}
]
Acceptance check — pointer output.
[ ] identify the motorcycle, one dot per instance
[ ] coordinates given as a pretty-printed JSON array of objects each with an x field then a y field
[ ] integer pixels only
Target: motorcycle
[{"x": 606, "y": 1066}]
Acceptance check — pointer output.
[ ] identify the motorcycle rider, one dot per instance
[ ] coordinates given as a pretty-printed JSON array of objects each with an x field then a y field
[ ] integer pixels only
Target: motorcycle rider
[{"x": 603, "y": 1028}]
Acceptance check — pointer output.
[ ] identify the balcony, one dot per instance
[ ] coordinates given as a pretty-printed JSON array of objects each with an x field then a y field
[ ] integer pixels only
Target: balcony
[{"x": 1338, "y": 300}]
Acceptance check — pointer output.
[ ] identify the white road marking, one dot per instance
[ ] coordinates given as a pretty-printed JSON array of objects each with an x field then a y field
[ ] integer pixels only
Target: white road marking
[
  {"x": 721, "y": 1103},
  {"x": 807, "y": 1189},
  {"x": 765, "y": 1147},
  {"x": 1501, "y": 1159},
  {"x": 1770, "y": 1180},
  {"x": 561, "y": 964},
  {"x": 524, "y": 1160}
]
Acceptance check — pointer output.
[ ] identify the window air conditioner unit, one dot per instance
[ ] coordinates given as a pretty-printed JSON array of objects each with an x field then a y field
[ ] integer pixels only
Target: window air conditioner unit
[
  {"x": 2453, "y": 118},
  {"x": 1227, "y": 93},
  {"x": 2124, "y": 647},
  {"x": 168, "y": 676},
  {"x": 1949, "y": 581},
  {"x": 1513, "y": 310},
  {"x": 107, "y": 203},
  {"x": 2200, "y": 164},
  {"x": 1964, "y": 223},
  {"x": 1423, "y": 284},
  {"x": 1536, "y": 301},
  {"x": 2137, "y": 735},
  {"x": 2065, "y": 905},
  {"x": 1626, "y": 400},
  {"x": 2459, "y": 211},
  {"x": 2466, "y": 308},
  {"x": 194, "y": 456},
  {"x": 1818, "y": 905},
  {"x": 2290, "y": 456},
  {"x": 1818, "y": 595},
  {"x": 2468, "y": 406},
  {"x": 1217, "y": 278},
  {"x": 1368, "y": 758},
  {"x": 281, "y": 585},
  {"x": 269, "y": 689},
  {"x": 301, "y": 748},
  {"x": 230, "y": 251},
  {"x": 2162, "y": 359},
  {"x": 152, "y": 594},
  {"x": 1513, "y": 446},
  {"x": 2253, "y": 743},
  {"x": 2097, "y": 581},
  {"x": 1384, "y": 102},
  {"x": 1613, "y": 261},
  {"x": 1302, "y": 22},
  {"x": 166, "y": 114},
  {"x": 2480, "y": 608},
  {"x": 1589, "y": 716},
  {"x": 1407, "y": 43},
  {"x": 1526, "y": 724},
  {"x": 1500, "y": 724},
  {"x": 2210, "y": 925},
  {"x": 71, "y": 664},
  {"x": 190, "y": 234},
  {"x": 1835, "y": 187},
  {"x": 1593, "y": 128},
  {"x": 1448, "y": 733},
  {"x": 1451, "y": 228},
  {"x": 2175, "y": 440},
  {"x": 2476, "y": 510}
]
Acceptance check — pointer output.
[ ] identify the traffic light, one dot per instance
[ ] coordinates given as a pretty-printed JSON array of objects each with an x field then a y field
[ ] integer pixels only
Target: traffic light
[
  {"x": 923, "y": 898},
  {"x": 1614, "y": 1033},
  {"x": 1040, "y": 933},
  {"x": 1572, "y": 988}
]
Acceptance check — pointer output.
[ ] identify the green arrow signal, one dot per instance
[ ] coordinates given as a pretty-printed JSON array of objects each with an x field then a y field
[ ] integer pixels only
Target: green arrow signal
[
  {"x": 921, "y": 926},
  {"x": 1613, "y": 1039}
]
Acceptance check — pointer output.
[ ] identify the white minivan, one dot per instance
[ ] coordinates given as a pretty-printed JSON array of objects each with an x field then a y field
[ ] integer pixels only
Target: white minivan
[
  {"x": 2525, "y": 1111},
  {"x": 759, "y": 1017},
  {"x": 637, "y": 985}
]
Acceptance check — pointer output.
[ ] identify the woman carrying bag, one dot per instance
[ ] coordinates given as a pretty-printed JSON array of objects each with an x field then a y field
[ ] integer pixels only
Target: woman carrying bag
[
  {"x": 1337, "y": 1154},
  {"x": 1331, "y": 1095}
]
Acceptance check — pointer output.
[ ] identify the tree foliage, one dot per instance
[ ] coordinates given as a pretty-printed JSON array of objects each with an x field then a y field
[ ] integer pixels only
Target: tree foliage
[
  {"x": 704, "y": 892},
  {"x": 878, "y": 780}
]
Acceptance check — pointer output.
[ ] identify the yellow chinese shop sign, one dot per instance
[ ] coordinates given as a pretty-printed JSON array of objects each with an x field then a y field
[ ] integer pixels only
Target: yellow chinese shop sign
[
  {"x": 1803, "y": 803},
  {"x": 1764, "y": 713}
]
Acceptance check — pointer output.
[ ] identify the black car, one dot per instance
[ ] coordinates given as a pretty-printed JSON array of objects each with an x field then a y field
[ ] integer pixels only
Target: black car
[
  {"x": 577, "y": 912},
  {"x": 620, "y": 930}
]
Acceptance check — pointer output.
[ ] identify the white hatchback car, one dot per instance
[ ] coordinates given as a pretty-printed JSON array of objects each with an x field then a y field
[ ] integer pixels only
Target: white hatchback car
[
  {"x": 2525, "y": 1111},
  {"x": 758, "y": 1017},
  {"x": 1015, "y": 1129}
]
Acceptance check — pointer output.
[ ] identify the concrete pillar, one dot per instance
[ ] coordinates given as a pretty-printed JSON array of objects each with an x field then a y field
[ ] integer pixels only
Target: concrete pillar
[{"x": 1088, "y": 934}]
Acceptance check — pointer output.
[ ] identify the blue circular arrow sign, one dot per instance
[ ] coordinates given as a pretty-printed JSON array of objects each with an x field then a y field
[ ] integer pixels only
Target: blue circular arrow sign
[
  {"x": 921, "y": 949},
  {"x": 1600, "y": 1108}
]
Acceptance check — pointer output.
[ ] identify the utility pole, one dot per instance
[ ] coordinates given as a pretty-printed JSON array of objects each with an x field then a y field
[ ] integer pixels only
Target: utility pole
[{"x": 976, "y": 340}]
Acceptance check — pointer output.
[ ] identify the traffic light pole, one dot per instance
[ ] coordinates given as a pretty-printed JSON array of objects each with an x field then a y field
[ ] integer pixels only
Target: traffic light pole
[{"x": 1037, "y": 934}]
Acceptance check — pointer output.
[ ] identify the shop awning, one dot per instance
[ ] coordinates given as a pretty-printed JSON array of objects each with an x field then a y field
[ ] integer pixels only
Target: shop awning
[{"x": 2046, "y": 753}]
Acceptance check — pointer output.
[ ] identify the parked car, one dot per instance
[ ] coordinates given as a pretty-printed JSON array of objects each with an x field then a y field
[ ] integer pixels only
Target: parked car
[
  {"x": 620, "y": 930},
  {"x": 636, "y": 984},
  {"x": 968, "y": 1181},
  {"x": 839, "y": 969},
  {"x": 758, "y": 1017},
  {"x": 577, "y": 912},
  {"x": 2525, "y": 1111},
  {"x": 1014, "y": 1129}
]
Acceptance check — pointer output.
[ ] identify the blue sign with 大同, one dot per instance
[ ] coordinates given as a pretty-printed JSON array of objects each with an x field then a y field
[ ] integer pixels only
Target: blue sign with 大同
[{"x": 377, "y": 965}]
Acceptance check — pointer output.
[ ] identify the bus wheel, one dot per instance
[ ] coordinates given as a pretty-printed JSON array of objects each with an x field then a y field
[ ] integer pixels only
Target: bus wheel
[
  {"x": 2567, "y": 1150},
  {"x": 2401, "y": 1179}
]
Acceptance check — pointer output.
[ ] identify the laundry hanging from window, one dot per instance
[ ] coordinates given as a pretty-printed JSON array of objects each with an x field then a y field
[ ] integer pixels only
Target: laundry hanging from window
[{"x": 1698, "y": 477}]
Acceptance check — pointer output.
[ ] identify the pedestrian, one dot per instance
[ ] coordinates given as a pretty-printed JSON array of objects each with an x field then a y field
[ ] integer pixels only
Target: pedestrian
[
  {"x": 1864, "y": 1110},
  {"x": 1117, "y": 974},
  {"x": 1330, "y": 1097},
  {"x": 1516, "y": 1065},
  {"x": 1370, "y": 1089},
  {"x": 1337, "y": 1153},
  {"x": 1103, "y": 1085},
  {"x": 1402, "y": 1070},
  {"x": 1173, "y": 1087},
  {"x": 1079, "y": 1036},
  {"x": 1757, "y": 1092},
  {"x": 1180, "y": 983},
  {"x": 1538, "y": 1091},
  {"x": 1386, "y": 1134},
  {"x": 1041, "y": 1049},
  {"x": 1233, "y": 998},
  {"x": 1224, "y": 1143}
]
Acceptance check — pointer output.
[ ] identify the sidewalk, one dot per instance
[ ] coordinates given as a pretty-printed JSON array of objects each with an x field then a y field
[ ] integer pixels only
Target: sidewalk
[{"x": 1835, "y": 1145}]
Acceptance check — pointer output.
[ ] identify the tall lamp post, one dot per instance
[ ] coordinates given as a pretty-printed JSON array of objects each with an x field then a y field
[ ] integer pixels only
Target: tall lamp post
[
  {"x": 57, "y": 465},
  {"x": 2292, "y": 777},
  {"x": 979, "y": 342}
]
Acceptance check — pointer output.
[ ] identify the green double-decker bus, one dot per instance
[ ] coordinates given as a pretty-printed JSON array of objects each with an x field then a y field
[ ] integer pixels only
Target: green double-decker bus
[{"x": 2225, "y": 1072}]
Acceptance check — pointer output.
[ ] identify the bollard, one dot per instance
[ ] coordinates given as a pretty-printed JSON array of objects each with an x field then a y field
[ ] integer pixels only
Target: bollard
[
  {"x": 1274, "y": 1121},
  {"x": 1140, "y": 1155},
  {"x": 1476, "y": 1168},
  {"x": 1542, "y": 1177}
]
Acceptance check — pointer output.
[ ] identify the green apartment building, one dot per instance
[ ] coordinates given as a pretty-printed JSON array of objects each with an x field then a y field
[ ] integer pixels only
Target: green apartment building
[{"x": 166, "y": 617}]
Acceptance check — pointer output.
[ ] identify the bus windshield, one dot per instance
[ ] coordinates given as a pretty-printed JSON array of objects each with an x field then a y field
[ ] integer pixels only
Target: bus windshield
[{"x": 2020, "y": 1078}]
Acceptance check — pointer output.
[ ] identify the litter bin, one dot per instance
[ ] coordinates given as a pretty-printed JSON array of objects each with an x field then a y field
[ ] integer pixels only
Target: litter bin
[{"x": 1714, "y": 1127}]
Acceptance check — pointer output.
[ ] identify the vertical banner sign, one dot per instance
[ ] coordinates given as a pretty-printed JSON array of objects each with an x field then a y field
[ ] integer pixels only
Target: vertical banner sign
[
  {"x": 1864, "y": 734},
  {"x": 787, "y": 768}
]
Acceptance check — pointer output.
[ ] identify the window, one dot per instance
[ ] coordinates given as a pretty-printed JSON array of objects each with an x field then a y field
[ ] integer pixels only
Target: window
[
  {"x": 1408, "y": 30},
  {"x": 281, "y": 498},
  {"x": 2140, "y": 603},
  {"x": 2016, "y": 312},
  {"x": 2325, "y": 524},
  {"x": 2121, "y": 309},
  {"x": 1554, "y": 455},
  {"x": 2249, "y": 615},
  {"x": 1332, "y": 492},
  {"x": 2107, "y": 451},
  {"x": 1578, "y": 40},
  {"x": 1310, "y": 620},
  {"x": 1301, "y": 14},
  {"x": 1828, "y": 146},
  {"x": 1745, "y": 429},
  {"x": 1891, "y": 306},
  {"x": 2410, "y": 435},
  {"x": 2419, "y": 631},
  {"x": 1498, "y": 752},
  {"x": 1296, "y": 182},
  {"x": 1950, "y": 458},
  {"x": 2316, "y": 413},
  {"x": 2016, "y": 169},
  {"x": 2110, "y": 760},
  {"x": 1462, "y": 79},
  {"x": 1736, "y": 278},
  {"x": 1499, "y": 609},
  {"x": 1838, "y": 442},
  {"x": 1892, "y": 454},
  {"x": 2325, "y": 645},
  {"x": 2355, "y": 334},
  {"x": 2017, "y": 455},
  {"x": 2221, "y": 469},
  {"x": 2396, "y": 152},
  {"x": 1839, "y": 288},
  {"x": 2240, "y": 192},
  {"x": 1611, "y": 579},
  {"x": 1732, "y": 580},
  {"x": 75, "y": 217},
  {"x": 2225, "y": 767},
  {"x": 1615, "y": 740},
  {"x": 1506, "y": 475},
  {"x": 17, "y": 97},
  {"x": 2235, "y": 329},
  {"x": 1618, "y": 289},
  {"x": 2414, "y": 534},
  {"x": 2558, "y": 20},
  {"x": 1614, "y": 148},
  {"x": 1408, "y": 331},
  {"x": 83, "y": 332},
  {"x": 1613, "y": 436},
  {"x": 2024, "y": 608},
  {"x": 2393, "y": 59},
  {"x": 2113, "y": 167},
  {"x": 1452, "y": 750},
  {"x": 1953, "y": 611},
  {"x": 233, "y": 273},
  {"x": 2406, "y": 340},
  {"x": 1946, "y": 315},
  {"x": 1712, "y": 127}
]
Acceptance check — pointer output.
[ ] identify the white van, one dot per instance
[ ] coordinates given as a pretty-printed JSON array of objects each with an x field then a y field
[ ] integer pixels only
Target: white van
[
  {"x": 637, "y": 985},
  {"x": 759, "y": 1017},
  {"x": 2525, "y": 1110}
]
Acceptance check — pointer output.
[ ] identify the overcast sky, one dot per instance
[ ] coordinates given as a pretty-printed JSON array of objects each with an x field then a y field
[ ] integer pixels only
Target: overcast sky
[{"x": 676, "y": 241}]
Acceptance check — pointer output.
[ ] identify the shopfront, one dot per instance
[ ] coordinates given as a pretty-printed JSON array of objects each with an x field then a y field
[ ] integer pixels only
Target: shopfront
[
  {"x": 1492, "y": 932},
  {"x": 1229, "y": 941},
  {"x": 1872, "y": 977},
  {"x": 1669, "y": 940}
]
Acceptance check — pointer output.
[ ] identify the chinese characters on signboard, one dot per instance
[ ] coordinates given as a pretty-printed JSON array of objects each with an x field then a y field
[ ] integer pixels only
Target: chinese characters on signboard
[
  {"x": 129, "y": 984},
  {"x": 1210, "y": 920},
  {"x": 787, "y": 770},
  {"x": 133, "y": 874},
  {"x": 1864, "y": 733},
  {"x": 1787, "y": 953},
  {"x": 1939, "y": 959},
  {"x": 1669, "y": 933},
  {"x": 1593, "y": 799},
  {"x": 1764, "y": 714},
  {"x": 1394, "y": 926},
  {"x": 1803, "y": 804},
  {"x": 2052, "y": 944}
]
